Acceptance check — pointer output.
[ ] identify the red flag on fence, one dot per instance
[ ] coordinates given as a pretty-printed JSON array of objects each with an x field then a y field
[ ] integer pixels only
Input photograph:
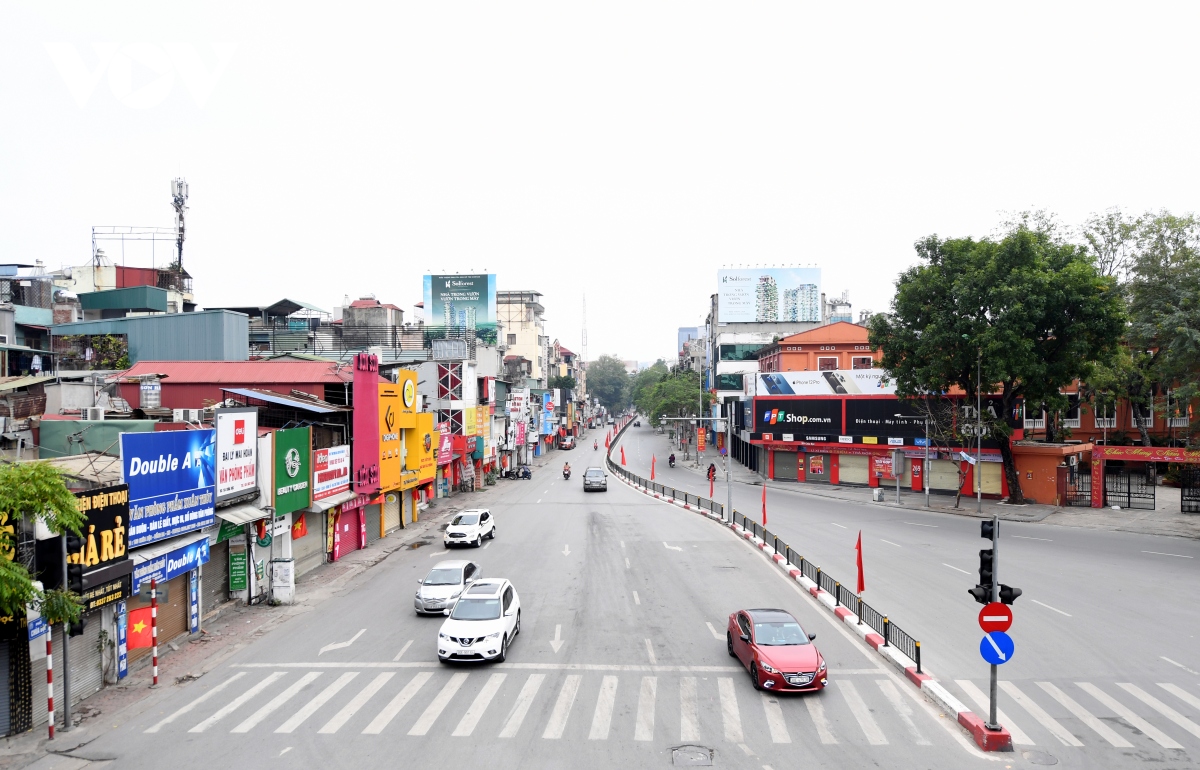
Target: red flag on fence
[
  {"x": 652, "y": 461},
  {"x": 764, "y": 496},
  {"x": 622, "y": 455},
  {"x": 858, "y": 547}
]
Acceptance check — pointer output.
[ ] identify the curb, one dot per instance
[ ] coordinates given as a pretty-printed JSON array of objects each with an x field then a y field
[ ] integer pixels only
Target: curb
[{"x": 987, "y": 740}]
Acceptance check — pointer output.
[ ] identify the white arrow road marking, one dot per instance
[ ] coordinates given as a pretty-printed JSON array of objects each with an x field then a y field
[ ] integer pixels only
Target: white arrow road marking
[
  {"x": 557, "y": 642},
  {"x": 340, "y": 645},
  {"x": 566, "y": 550},
  {"x": 673, "y": 547},
  {"x": 713, "y": 631},
  {"x": 996, "y": 647}
]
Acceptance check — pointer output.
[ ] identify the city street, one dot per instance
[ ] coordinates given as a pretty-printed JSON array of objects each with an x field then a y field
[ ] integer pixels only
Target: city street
[{"x": 620, "y": 658}]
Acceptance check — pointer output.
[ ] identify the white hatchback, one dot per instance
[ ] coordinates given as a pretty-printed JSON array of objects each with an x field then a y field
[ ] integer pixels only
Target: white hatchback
[
  {"x": 482, "y": 623},
  {"x": 470, "y": 528}
]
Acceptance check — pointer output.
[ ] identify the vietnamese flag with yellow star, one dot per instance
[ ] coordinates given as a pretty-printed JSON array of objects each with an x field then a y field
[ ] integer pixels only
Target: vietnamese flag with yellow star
[{"x": 138, "y": 632}]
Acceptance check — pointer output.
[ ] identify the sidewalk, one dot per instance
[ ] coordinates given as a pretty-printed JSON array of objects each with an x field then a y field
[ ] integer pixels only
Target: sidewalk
[
  {"x": 1166, "y": 520},
  {"x": 229, "y": 629}
]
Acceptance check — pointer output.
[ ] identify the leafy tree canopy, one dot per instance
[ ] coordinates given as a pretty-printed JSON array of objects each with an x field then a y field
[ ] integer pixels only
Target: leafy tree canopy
[{"x": 609, "y": 382}]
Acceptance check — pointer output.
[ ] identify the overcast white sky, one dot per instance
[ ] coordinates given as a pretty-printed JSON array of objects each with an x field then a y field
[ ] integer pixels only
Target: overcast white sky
[{"x": 625, "y": 150}]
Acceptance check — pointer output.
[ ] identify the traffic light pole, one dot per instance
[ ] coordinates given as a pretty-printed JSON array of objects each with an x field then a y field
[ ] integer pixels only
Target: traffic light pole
[
  {"x": 992, "y": 723},
  {"x": 66, "y": 670}
]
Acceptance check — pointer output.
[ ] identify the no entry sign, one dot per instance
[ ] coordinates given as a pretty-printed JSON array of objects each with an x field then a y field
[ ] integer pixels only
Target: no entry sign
[{"x": 995, "y": 617}]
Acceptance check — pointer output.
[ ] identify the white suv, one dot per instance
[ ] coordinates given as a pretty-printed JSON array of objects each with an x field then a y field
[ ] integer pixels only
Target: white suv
[
  {"x": 482, "y": 623},
  {"x": 470, "y": 528}
]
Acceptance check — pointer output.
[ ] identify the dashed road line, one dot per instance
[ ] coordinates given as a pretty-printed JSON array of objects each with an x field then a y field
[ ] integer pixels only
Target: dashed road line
[
  {"x": 1175, "y": 663},
  {"x": 834, "y": 523},
  {"x": 889, "y": 542},
  {"x": 1047, "y": 606},
  {"x": 650, "y": 653},
  {"x": 956, "y": 569},
  {"x": 1026, "y": 537},
  {"x": 915, "y": 524},
  {"x": 636, "y": 599},
  {"x": 1176, "y": 555}
]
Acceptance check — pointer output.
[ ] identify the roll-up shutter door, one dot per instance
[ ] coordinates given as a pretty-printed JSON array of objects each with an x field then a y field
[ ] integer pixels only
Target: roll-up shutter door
[
  {"x": 86, "y": 675},
  {"x": 4, "y": 700},
  {"x": 348, "y": 524},
  {"x": 852, "y": 469},
  {"x": 372, "y": 514},
  {"x": 762, "y": 461},
  {"x": 172, "y": 615},
  {"x": 785, "y": 466},
  {"x": 906, "y": 475},
  {"x": 391, "y": 511},
  {"x": 943, "y": 474},
  {"x": 991, "y": 477},
  {"x": 309, "y": 551},
  {"x": 214, "y": 578}
]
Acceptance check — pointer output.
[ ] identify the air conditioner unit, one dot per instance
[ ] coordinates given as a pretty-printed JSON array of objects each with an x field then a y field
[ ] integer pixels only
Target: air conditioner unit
[
  {"x": 1073, "y": 460},
  {"x": 188, "y": 415},
  {"x": 93, "y": 413}
]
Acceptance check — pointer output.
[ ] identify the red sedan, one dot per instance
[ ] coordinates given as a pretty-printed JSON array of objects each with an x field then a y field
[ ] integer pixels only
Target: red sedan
[{"x": 773, "y": 646}]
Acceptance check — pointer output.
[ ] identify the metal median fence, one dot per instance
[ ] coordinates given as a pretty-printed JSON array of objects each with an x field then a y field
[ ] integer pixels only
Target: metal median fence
[{"x": 893, "y": 635}]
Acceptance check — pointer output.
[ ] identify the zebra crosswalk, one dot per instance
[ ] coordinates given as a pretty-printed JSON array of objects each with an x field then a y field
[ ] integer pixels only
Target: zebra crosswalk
[
  {"x": 1119, "y": 715},
  {"x": 553, "y": 705}
]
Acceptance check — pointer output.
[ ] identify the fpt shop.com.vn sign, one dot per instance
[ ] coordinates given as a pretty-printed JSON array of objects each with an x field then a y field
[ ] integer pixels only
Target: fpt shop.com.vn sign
[{"x": 172, "y": 482}]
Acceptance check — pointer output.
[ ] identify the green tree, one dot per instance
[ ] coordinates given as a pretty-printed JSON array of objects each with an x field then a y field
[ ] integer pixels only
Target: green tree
[
  {"x": 562, "y": 381},
  {"x": 28, "y": 491},
  {"x": 1028, "y": 308},
  {"x": 675, "y": 395},
  {"x": 643, "y": 384},
  {"x": 609, "y": 382}
]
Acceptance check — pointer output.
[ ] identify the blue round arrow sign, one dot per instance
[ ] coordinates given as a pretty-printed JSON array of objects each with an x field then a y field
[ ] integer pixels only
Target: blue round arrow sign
[{"x": 996, "y": 648}]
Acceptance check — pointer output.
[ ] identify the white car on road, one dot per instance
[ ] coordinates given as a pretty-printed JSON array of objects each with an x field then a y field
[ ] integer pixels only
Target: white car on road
[
  {"x": 482, "y": 623},
  {"x": 470, "y": 528}
]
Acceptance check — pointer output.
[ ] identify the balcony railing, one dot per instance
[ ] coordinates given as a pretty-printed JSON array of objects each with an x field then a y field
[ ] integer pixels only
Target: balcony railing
[
  {"x": 1106, "y": 422},
  {"x": 1071, "y": 422},
  {"x": 340, "y": 341}
]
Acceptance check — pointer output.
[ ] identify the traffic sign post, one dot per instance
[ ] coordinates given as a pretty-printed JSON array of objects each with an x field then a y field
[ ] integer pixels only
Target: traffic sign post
[
  {"x": 995, "y": 617},
  {"x": 996, "y": 648}
]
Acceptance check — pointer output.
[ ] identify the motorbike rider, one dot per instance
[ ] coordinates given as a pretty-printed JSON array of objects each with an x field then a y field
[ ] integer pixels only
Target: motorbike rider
[
  {"x": 566, "y": 469},
  {"x": 671, "y": 459},
  {"x": 712, "y": 471},
  {"x": 595, "y": 445}
]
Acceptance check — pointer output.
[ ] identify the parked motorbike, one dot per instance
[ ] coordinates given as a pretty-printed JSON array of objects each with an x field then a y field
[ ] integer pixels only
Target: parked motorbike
[{"x": 526, "y": 473}]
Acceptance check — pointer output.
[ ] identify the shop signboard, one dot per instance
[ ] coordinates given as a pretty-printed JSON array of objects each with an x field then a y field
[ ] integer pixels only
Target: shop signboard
[
  {"x": 293, "y": 470},
  {"x": 840, "y": 382},
  {"x": 406, "y": 380},
  {"x": 877, "y": 417},
  {"x": 390, "y": 405},
  {"x": 518, "y": 402},
  {"x": 445, "y": 452},
  {"x": 331, "y": 471},
  {"x": 769, "y": 295},
  {"x": 172, "y": 564},
  {"x": 365, "y": 467},
  {"x": 520, "y": 433},
  {"x": 237, "y": 458},
  {"x": 468, "y": 421},
  {"x": 816, "y": 419},
  {"x": 481, "y": 420},
  {"x": 104, "y": 552},
  {"x": 420, "y": 445},
  {"x": 467, "y": 301},
  {"x": 881, "y": 466},
  {"x": 172, "y": 482}
]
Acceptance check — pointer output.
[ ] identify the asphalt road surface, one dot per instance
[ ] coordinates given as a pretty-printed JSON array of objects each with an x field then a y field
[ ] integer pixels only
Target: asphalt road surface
[{"x": 635, "y": 595}]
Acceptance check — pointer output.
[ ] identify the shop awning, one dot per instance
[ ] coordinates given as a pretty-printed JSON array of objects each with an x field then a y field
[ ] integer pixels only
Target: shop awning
[
  {"x": 320, "y": 506},
  {"x": 186, "y": 551},
  {"x": 241, "y": 514}
]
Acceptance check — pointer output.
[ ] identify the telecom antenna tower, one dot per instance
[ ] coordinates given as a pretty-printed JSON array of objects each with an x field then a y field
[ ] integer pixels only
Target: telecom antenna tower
[
  {"x": 179, "y": 196},
  {"x": 585, "y": 358}
]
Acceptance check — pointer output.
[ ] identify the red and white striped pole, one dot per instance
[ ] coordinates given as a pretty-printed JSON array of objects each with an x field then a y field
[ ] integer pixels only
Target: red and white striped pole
[
  {"x": 50, "y": 679},
  {"x": 154, "y": 627}
]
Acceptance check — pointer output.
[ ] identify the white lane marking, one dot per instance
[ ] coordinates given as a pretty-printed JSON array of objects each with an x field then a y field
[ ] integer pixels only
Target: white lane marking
[
  {"x": 644, "y": 728},
  {"x": 237, "y": 702},
  {"x": 562, "y": 708},
  {"x": 1026, "y": 537},
  {"x": 539, "y": 499},
  {"x": 403, "y": 650},
  {"x": 672, "y": 547},
  {"x": 1123, "y": 711},
  {"x": 250, "y": 722},
  {"x": 903, "y": 709},
  {"x": 383, "y": 718},
  {"x": 956, "y": 569},
  {"x": 889, "y": 542},
  {"x": 975, "y": 694},
  {"x": 340, "y": 645},
  {"x": 1064, "y": 736},
  {"x": 1085, "y": 716},
  {"x": 816, "y": 712},
  {"x": 1047, "y": 606},
  {"x": 713, "y": 631},
  {"x": 567, "y": 550},
  {"x": 626, "y": 562},
  {"x": 194, "y": 703},
  {"x": 557, "y": 642},
  {"x": 731, "y": 718},
  {"x": 442, "y": 552},
  {"x": 915, "y": 524},
  {"x": 435, "y": 708},
  {"x": 286, "y": 750},
  {"x": 602, "y": 716},
  {"x": 689, "y": 720},
  {"x": 1176, "y": 555},
  {"x": 862, "y": 714},
  {"x": 622, "y": 545},
  {"x": 310, "y": 708},
  {"x": 650, "y": 653},
  {"x": 467, "y": 724},
  {"x": 1174, "y": 663},
  {"x": 834, "y": 523},
  {"x": 610, "y": 667},
  {"x": 1161, "y": 708},
  {"x": 636, "y": 598},
  {"x": 1182, "y": 694},
  {"x": 356, "y": 703},
  {"x": 746, "y": 750},
  {"x": 520, "y": 708},
  {"x": 489, "y": 545},
  {"x": 778, "y": 728}
]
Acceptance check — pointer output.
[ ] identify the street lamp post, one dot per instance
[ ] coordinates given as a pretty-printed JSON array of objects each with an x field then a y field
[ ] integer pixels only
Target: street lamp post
[
  {"x": 925, "y": 464},
  {"x": 979, "y": 432}
]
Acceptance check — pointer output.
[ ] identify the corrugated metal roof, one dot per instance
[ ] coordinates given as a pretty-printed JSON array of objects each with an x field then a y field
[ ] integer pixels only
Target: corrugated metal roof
[
  {"x": 308, "y": 405},
  {"x": 244, "y": 372},
  {"x": 24, "y": 382}
]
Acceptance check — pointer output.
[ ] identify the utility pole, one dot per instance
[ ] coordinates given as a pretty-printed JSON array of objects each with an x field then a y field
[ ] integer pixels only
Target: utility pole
[
  {"x": 992, "y": 723},
  {"x": 979, "y": 464},
  {"x": 729, "y": 460},
  {"x": 925, "y": 466},
  {"x": 66, "y": 676}
]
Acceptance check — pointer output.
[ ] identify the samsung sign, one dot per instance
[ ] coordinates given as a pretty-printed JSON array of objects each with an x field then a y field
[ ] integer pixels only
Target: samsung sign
[{"x": 172, "y": 483}]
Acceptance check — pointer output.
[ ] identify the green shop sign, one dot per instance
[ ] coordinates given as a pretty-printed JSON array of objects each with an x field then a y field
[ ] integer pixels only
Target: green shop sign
[
  {"x": 293, "y": 469},
  {"x": 237, "y": 570}
]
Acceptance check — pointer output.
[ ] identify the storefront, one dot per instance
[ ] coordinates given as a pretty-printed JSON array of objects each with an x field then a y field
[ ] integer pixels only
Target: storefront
[
  {"x": 174, "y": 565},
  {"x": 348, "y": 530}
]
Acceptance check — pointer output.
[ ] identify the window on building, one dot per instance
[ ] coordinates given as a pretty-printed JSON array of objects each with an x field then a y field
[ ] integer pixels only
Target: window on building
[
  {"x": 827, "y": 363},
  {"x": 1071, "y": 416},
  {"x": 512, "y": 339},
  {"x": 1146, "y": 412},
  {"x": 861, "y": 362},
  {"x": 730, "y": 382},
  {"x": 1176, "y": 411},
  {"x": 1103, "y": 413},
  {"x": 738, "y": 352}
]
